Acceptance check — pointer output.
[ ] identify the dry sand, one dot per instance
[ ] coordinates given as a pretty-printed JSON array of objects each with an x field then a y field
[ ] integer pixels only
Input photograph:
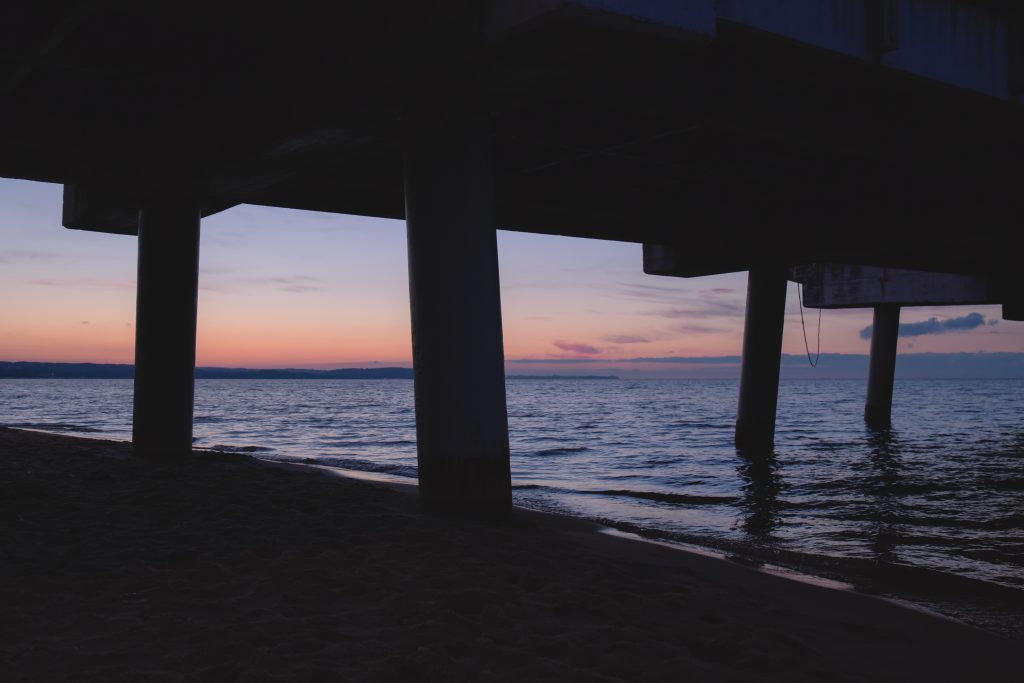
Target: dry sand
[{"x": 220, "y": 567}]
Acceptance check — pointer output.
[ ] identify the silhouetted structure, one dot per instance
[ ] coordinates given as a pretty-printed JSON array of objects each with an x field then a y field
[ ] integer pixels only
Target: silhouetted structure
[
  {"x": 739, "y": 134},
  {"x": 165, "y": 327},
  {"x": 882, "y": 370},
  {"x": 762, "y": 354},
  {"x": 886, "y": 290}
]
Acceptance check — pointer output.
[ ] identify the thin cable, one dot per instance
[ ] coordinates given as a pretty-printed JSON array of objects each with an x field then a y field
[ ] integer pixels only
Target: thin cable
[{"x": 803, "y": 326}]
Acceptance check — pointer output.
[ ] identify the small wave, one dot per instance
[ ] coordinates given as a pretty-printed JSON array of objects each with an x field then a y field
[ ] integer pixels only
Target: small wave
[
  {"x": 658, "y": 496},
  {"x": 908, "y": 489},
  {"x": 367, "y": 443},
  {"x": 207, "y": 419},
  {"x": 54, "y": 427},
  {"x": 867, "y": 574},
  {"x": 240, "y": 449},
  {"x": 367, "y": 466},
  {"x": 562, "y": 451},
  {"x": 935, "y": 521},
  {"x": 701, "y": 424}
]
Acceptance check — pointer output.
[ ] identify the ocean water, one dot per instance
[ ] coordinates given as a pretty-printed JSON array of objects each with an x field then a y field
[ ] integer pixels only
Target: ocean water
[{"x": 931, "y": 510}]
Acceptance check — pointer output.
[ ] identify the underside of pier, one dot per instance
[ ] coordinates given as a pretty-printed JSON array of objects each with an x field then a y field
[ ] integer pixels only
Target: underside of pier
[
  {"x": 756, "y": 135},
  {"x": 729, "y": 135}
]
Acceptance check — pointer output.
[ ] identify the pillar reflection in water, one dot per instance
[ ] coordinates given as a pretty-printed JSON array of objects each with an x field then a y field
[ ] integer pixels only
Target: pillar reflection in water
[
  {"x": 761, "y": 485},
  {"x": 881, "y": 486}
]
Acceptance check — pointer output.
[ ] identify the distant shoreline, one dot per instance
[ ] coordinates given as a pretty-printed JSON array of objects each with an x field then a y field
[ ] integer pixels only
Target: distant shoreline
[
  {"x": 29, "y": 370},
  {"x": 974, "y": 366}
]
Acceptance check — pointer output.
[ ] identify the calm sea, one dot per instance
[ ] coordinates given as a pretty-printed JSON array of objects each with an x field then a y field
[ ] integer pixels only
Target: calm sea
[{"x": 931, "y": 511}]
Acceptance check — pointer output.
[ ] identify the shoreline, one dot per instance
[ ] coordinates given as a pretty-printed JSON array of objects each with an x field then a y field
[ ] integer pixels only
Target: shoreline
[
  {"x": 392, "y": 481},
  {"x": 224, "y": 565},
  {"x": 586, "y": 525},
  {"x": 986, "y": 610},
  {"x": 974, "y": 603},
  {"x": 1006, "y": 624}
]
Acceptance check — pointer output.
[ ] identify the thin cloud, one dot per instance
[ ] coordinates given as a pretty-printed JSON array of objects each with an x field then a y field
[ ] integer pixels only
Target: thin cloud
[
  {"x": 691, "y": 360},
  {"x": 935, "y": 326},
  {"x": 296, "y": 284},
  {"x": 206, "y": 270},
  {"x": 298, "y": 289},
  {"x": 653, "y": 293},
  {"x": 84, "y": 282},
  {"x": 683, "y": 304},
  {"x": 14, "y": 255},
  {"x": 696, "y": 328},
  {"x": 576, "y": 347},
  {"x": 626, "y": 339},
  {"x": 701, "y": 309}
]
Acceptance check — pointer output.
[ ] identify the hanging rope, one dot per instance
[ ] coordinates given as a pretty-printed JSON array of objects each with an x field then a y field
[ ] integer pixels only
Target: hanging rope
[{"x": 803, "y": 325}]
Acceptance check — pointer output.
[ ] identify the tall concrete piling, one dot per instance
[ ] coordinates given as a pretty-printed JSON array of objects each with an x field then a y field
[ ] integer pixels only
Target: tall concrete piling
[
  {"x": 882, "y": 367},
  {"x": 165, "y": 327},
  {"x": 762, "y": 352},
  {"x": 461, "y": 418}
]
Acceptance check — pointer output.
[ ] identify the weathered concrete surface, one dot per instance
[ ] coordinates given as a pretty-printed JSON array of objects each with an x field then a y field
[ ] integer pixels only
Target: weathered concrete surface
[
  {"x": 461, "y": 420},
  {"x": 951, "y": 41},
  {"x": 852, "y": 286},
  {"x": 165, "y": 327},
  {"x": 882, "y": 368},
  {"x": 762, "y": 352}
]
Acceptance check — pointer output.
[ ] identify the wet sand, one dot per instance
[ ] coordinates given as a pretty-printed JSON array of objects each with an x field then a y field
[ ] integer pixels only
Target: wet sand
[{"x": 223, "y": 567}]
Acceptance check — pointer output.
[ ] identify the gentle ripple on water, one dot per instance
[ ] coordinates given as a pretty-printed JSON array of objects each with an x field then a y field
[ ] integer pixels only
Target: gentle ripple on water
[{"x": 943, "y": 490}]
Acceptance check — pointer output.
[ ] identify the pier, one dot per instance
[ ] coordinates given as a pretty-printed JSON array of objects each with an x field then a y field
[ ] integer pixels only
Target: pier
[
  {"x": 876, "y": 144},
  {"x": 886, "y": 291}
]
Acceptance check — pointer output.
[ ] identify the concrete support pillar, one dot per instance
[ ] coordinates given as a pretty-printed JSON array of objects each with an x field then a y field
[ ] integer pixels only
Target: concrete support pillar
[
  {"x": 762, "y": 352},
  {"x": 165, "y": 328},
  {"x": 882, "y": 369},
  {"x": 458, "y": 359}
]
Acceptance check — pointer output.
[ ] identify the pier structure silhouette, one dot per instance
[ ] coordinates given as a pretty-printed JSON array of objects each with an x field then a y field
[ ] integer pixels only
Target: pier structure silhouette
[{"x": 724, "y": 135}]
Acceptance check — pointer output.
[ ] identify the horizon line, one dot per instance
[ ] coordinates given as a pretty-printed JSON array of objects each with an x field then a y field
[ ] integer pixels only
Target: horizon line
[{"x": 697, "y": 360}]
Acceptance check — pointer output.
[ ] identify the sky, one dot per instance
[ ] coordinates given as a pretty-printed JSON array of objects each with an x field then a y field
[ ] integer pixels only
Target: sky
[{"x": 286, "y": 288}]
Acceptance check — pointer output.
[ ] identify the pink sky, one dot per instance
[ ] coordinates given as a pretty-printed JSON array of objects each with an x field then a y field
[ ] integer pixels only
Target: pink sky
[{"x": 282, "y": 288}]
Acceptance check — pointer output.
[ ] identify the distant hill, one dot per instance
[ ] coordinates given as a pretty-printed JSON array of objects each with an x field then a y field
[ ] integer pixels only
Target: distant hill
[
  {"x": 24, "y": 370},
  {"x": 111, "y": 371}
]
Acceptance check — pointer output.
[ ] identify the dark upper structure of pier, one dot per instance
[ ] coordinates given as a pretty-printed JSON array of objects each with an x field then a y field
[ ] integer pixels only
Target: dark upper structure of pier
[
  {"x": 847, "y": 144},
  {"x": 868, "y": 131}
]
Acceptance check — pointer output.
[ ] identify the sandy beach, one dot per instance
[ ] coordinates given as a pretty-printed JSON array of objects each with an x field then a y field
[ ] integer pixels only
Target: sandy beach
[{"x": 223, "y": 567}]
